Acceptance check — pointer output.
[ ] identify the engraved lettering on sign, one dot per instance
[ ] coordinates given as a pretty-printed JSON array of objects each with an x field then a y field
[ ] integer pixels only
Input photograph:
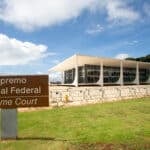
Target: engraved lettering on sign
[
  {"x": 13, "y": 81},
  {"x": 20, "y": 101},
  {"x": 24, "y": 91},
  {"x": 6, "y": 102}
]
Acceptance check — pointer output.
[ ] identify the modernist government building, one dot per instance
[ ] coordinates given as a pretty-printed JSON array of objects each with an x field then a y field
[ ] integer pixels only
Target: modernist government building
[{"x": 88, "y": 70}]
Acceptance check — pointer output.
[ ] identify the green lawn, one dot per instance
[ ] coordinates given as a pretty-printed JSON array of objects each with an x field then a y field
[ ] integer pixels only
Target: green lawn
[{"x": 109, "y": 126}]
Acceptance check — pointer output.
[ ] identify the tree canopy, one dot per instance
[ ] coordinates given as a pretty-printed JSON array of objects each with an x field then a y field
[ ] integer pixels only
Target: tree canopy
[{"x": 143, "y": 59}]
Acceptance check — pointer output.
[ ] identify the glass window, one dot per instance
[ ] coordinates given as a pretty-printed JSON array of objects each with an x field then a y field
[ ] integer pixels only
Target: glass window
[
  {"x": 111, "y": 74},
  {"x": 92, "y": 73},
  {"x": 144, "y": 75},
  {"x": 129, "y": 74},
  {"x": 69, "y": 76}
]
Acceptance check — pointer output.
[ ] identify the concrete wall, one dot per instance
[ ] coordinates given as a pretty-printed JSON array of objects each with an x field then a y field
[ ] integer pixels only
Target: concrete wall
[{"x": 63, "y": 95}]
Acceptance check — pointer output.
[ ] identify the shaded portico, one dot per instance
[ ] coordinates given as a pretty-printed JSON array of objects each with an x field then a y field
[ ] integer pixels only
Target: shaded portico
[{"x": 89, "y": 70}]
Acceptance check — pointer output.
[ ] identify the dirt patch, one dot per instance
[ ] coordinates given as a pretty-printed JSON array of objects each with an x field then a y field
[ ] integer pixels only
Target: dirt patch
[
  {"x": 33, "y": 109},
  {"x": 102, "y": 146}
]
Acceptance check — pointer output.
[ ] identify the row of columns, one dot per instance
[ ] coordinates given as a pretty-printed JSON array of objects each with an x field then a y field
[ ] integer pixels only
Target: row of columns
[{"x": 101, "y": 80}]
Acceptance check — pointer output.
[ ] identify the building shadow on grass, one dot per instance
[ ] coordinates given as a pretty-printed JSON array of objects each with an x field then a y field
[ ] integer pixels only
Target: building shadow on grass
[{"x": 44, "y": 139}]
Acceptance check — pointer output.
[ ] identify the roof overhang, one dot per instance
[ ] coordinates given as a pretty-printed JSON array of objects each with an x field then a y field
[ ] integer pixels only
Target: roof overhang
[{"x": 80, "y": 60}]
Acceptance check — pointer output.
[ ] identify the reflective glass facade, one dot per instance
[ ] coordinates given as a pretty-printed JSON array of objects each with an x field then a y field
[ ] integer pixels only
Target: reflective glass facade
[
  {"x": 111, "y": 74},
  {"x": 81, "y": 74},
  {"x": 144, "y": 75},
  {"x": 129, "y": 75},
  {"x": 91, "y": 74},
  {"x": 69, "y": 76}
]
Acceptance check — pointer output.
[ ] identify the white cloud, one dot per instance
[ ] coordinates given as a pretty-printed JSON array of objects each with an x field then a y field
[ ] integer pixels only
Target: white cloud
[
  {"x": 96, "y": 29},
  {"x": 122, "y": 56},
  {"x": 29, "y": 15},
  {"x": 132, "y": 43},
  {"x": 15, "y": 52},
  {"x": 119, "y": 11}
]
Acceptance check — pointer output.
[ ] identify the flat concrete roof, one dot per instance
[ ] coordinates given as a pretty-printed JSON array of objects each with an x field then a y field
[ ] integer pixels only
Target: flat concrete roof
[{"x": 81, "y": 60}]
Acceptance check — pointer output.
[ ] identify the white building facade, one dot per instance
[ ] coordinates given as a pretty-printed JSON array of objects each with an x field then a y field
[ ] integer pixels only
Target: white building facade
[{"x": 81, "y": 70}]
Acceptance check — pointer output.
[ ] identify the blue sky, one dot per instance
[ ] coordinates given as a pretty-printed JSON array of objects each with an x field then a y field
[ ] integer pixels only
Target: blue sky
[{"x": 35, "y": 35}]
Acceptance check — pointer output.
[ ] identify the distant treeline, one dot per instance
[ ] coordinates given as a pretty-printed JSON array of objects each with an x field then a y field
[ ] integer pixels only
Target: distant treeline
[{"x": 143, "y": 59}]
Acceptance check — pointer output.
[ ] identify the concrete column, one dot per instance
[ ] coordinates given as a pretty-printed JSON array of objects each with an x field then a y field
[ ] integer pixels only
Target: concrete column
[
  {"x": 137, "y": 73},
  {"x": 63, "y": 77},
  {"x": 101, "y": 74},
  {"x": 121, "y": 73},
  {"x": 76, "y": 72},
  {"x": 8, "y": 124}
]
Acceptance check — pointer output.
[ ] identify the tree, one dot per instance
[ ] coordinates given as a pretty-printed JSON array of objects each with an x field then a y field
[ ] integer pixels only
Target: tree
[{"x": 142, "y": 59}]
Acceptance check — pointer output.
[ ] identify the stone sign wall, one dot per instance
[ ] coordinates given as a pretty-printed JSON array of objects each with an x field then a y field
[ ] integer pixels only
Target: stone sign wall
[{"x": 62, "y": 95}]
